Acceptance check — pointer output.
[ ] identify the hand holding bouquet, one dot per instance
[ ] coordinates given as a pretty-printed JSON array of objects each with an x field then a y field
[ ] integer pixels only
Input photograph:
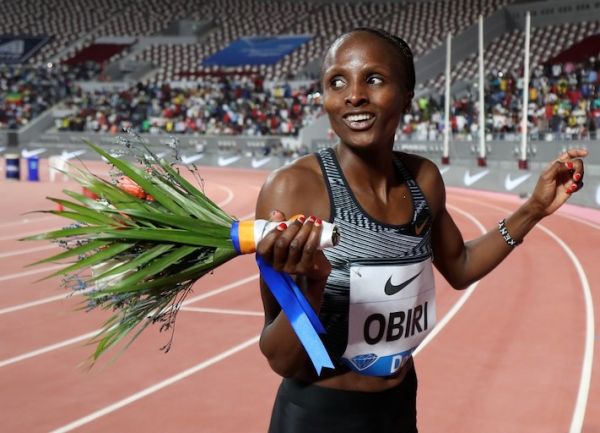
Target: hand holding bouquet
[{"x": 148, "y": 237}]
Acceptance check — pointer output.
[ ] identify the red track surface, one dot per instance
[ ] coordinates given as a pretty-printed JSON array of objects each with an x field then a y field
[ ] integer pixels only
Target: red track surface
[{"x": 509, "y": 361}]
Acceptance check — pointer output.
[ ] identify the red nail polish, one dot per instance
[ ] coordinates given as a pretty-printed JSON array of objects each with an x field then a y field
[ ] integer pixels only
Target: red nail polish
[
  {"x": 570, "y": 165},
  {"x": 311, "y": 219},
  {"x": 577, "y": 177},
  {"x": 281, "y": 227},
  {"x": 301, "y": 218},
  {"x": 318, "y": 222}
]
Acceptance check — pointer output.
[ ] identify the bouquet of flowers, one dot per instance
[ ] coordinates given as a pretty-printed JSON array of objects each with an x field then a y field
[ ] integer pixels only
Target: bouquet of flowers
[{"x": 141, "y": 240}]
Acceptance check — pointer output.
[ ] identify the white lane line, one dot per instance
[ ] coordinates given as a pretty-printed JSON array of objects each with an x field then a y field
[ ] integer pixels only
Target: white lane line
[
  {"x": 47, "y": 349},
  {"x": 17, "y": 236},
  {"x": 462, "y": 300},
  {"x": 588, "y": 350},
  {"x": 42, "y": 301},
  {"x": 229, "y": 197},
  {"x": 580, "y": 220},
  {"x": 27, "y": 221},
  {"x": 31, "y": 272},
  {"x": 27, "y": 251},
  {"x": 222, "y": 311},
  {"x": 65, "y": 343},
  {"x": 156, "y": 387}
]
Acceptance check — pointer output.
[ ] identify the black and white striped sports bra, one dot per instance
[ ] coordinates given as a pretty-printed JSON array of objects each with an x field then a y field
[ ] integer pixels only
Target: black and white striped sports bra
[{"x": 366, "y": 240}]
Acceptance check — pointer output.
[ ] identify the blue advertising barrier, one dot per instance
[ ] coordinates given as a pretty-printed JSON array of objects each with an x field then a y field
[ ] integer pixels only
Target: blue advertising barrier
[
  {"x": 256, "y": 50},
  {"x": 33, "y": 168},
  {"x": 19, "y": 48},
  {"x": 13, "y": 170}
]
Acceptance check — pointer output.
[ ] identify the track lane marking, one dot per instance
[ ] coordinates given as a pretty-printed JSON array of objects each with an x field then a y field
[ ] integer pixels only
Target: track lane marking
[
  {"x": 27, "y": 251},
  {"x": 462, "y": 300},
  {"x": 78, "y": 338},
  {"x": 577, "y": 420},
  {"x": 156, "y": 387},
  {"x": 30, "y": 272},
  {"x": 222, "y": 311}
]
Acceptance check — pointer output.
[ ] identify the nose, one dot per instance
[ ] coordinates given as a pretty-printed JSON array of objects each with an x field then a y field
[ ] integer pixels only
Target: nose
[{"x": 356, "y": 95}]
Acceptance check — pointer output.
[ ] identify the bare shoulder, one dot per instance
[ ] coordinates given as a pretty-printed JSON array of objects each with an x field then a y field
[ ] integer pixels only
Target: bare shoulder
[
  {"x": 428, "y": 177},
  {"x": 298, "y": 187}
]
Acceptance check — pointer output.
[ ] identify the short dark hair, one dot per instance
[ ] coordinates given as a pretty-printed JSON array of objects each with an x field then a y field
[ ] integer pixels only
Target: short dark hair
[{"x": 399, "y": 45}]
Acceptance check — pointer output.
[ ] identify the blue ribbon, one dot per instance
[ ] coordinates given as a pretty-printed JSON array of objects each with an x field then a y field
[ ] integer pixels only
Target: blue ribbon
[
  {"x": 234, "y": 235},
  {"x": 300, "y": 314}
]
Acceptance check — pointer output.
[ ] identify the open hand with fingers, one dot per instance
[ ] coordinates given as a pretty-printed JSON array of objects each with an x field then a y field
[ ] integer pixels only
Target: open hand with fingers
[{"x": 560, "y": 179}]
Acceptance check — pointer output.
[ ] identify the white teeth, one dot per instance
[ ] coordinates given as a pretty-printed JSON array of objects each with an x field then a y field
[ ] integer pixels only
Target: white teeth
[{"x": 359, "y": 117}]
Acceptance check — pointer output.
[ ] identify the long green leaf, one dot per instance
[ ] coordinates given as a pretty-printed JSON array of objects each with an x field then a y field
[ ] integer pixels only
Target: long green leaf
[
  {"x": 129, "y": 283},
  {"x": 196, "y": 192},
  {"x": 192, "y": 273},
  {"x": 182, "y": 222},
  {"x": 166, "y": 235},
  {"x": 76, "y": 251},
  {"x": 101, "y": 256},
  {"x": 138, "y": 176},
  {"x": 138, "y": 261},
  {"x": 65, "y": 233}
]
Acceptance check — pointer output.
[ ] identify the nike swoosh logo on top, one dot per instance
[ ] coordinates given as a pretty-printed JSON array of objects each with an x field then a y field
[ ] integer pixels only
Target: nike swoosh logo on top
[
  {"x": 511, "y": 184},
  {"x": 392, "y": 289},
  {"x": 471, "y": 179},
  {"x": 227, "y": 161},
  {"x": 420, "y": 227}
]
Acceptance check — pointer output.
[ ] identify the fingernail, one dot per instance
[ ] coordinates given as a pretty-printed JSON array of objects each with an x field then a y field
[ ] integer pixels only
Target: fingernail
[
  {"x": 573, "y": 187},
  {"x": 570, "y": 165},
  {"x": 577, "y": 177},
  {"x": 301, "y": 218},
  {"x": 318, "y": 222},
  {"x": 311, "y": 219},
  {"x": 281, "y": 227}
]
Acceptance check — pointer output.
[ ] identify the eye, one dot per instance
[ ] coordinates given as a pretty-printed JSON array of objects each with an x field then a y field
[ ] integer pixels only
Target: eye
[
  {"x": 337, "y": 83},
  {"x": 375, "y": 80}
]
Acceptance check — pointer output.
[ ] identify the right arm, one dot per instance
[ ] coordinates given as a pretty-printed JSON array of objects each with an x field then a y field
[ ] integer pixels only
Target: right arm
[{"x": 296, "y": 189}]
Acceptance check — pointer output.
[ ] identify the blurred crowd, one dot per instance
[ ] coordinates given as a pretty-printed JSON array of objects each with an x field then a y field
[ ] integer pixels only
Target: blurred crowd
[
  {"x": 564, "y": 100},
  {"x": 26, "y": 92},
  {"x": 211, "y": 106}
]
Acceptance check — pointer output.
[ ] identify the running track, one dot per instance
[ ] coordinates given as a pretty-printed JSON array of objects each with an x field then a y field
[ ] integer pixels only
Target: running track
[{"x": 515, "y": 352}]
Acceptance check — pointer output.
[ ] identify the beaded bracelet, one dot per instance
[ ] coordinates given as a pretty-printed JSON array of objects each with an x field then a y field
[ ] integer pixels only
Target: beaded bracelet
[{"x": 507, "y": 237}]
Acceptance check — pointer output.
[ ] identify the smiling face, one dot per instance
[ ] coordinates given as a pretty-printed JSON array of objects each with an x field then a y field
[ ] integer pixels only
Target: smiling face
[{"x": 365, "y": 92}]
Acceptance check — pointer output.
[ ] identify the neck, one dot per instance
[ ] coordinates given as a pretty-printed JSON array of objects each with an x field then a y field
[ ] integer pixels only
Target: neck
[{"x": 368, "y": 170}]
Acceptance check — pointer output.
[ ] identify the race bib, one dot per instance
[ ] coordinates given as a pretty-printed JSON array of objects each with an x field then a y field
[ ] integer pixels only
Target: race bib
[{"x": 392, "y": 309}]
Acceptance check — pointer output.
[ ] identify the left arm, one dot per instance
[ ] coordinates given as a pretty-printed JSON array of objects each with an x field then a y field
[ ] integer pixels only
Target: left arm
[{"x": 463, "y": 263}]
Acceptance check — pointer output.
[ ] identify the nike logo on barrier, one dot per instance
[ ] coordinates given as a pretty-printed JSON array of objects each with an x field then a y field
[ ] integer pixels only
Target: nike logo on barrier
[
  {"x": 27, "y": 153},
  {"x": 223, "y": 161},
  {"x": 392, "y": 289},
  {"x": 70, "y": 155},
  {"x": 511, "y": 184},
  {"x": 191, "y": 159},
  {"x": 444, "y": 170},
  {"x": 420, "y": 227},
  {"x": 471, "y": 179},
  {"x": 257, "y": 163}
]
